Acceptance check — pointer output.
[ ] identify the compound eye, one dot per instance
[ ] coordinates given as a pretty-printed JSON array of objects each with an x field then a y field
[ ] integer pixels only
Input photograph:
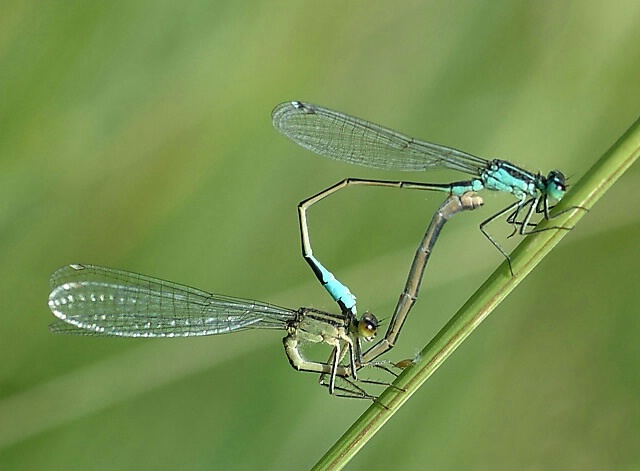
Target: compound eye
[{"x": 558, "y": 179}]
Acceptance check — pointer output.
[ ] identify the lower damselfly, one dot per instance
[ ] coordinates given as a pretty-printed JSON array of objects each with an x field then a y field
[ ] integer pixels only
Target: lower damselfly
[{"x": 100, "y": 301}]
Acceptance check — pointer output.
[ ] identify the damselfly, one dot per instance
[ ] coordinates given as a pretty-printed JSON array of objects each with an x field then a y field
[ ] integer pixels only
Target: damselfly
[
  {"x": 94, "y": 300},
  {"x": 354, "y": 140}
]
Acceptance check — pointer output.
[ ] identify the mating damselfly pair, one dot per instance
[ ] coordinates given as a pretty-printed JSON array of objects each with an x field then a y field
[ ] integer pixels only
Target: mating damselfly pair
[{"x": 95, "y": 300}]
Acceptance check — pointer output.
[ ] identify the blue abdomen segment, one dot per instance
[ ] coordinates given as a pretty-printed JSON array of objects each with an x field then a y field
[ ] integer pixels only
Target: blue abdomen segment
[
  {"x": 339, "y": 292},
  {"x": 460, "y": 188}
]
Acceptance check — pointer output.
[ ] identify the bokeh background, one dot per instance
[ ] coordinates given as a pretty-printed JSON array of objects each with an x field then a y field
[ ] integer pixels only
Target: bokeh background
[{"x": 138, "y": 135}]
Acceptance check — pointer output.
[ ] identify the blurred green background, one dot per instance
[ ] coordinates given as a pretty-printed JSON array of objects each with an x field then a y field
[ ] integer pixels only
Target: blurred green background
[{"x": 138, "y": 135}]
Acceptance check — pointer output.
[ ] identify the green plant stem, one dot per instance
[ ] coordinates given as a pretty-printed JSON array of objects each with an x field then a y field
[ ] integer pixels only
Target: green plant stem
[{"x": 525, "y": 257}]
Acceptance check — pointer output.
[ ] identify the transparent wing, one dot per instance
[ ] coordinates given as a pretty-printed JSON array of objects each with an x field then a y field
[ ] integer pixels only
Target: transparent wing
[
  {"x": 354, "y": 140},
  {"x": 93, "y": 300}
]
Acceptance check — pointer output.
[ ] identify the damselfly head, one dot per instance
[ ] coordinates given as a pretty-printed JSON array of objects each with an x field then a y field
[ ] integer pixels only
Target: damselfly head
[
  {"x": 556, "y": 185},
  {"x": 368, "y": 326}
]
